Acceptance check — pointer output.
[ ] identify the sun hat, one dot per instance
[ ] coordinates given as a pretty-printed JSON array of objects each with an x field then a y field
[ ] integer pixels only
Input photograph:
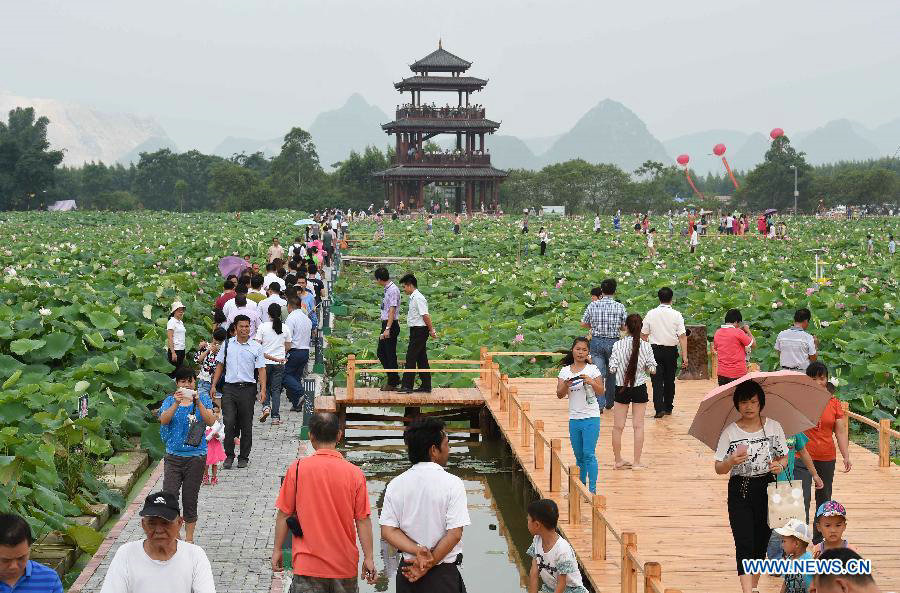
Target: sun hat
[
  {"x": 161, "y": 504},
  {"x": 177, "y": 305},
  {"x": 795, "y": 528},
  {"x": 831, "y": 508}
]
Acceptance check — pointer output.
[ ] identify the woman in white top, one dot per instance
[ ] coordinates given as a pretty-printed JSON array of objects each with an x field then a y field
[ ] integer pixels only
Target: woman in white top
[
  {"x": 632, "y": 362},
  {"x": 582, "y": 383},
  {"x": 753, "y": 450},
  {"x": 276, "y": 339},
  {"x": 544, "y": 236},
  {"x": 175, "y": 335}
]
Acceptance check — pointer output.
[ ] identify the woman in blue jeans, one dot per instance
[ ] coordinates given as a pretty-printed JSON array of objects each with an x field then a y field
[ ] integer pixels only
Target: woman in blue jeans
[{"x": 582, "y": 382}]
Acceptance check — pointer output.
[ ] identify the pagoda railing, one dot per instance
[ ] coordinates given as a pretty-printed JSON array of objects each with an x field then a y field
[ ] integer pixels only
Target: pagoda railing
[
  {"x": 444, "y": 159},
  {"x": 432, "y": 112}
]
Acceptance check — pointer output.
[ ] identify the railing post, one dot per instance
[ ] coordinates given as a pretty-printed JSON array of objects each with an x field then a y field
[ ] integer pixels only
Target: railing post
[
  {"x": 495, "y": 379},
  {"x": 598, "y": 528},
  {"x": 504, "y": 392},
  {"x": 629, "y": 571},
  {"x": 574, "y": 496},
  {"x": 538, "y": 444},
  {"x": 483, "y": 359},
  {"x": 652, "y": 572},
  {"x": 884, "y": 443},
  {"x": 351, "y": 375},
  {"x": 513, "y": 407},
  {"x": 555, "y": 465},
  {"x": 526, "y": 407}
]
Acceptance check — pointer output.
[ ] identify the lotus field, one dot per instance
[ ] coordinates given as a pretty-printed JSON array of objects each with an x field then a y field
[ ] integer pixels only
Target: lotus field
[{"x": 84, "y": 300}]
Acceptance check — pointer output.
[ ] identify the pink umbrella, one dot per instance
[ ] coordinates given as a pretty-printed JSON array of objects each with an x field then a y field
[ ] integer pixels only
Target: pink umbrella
[
  {"x": 793, "y": 399},
  {"x": 232, "y": 265}
]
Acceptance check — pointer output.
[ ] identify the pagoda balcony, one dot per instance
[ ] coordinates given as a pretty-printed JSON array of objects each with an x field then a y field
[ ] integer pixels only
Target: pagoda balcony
[
  {"x": 442, "y": 113},
  {"x": 423, "y": 159}
]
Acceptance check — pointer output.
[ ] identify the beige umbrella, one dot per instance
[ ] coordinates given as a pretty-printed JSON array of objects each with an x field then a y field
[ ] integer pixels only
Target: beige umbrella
[{"x": 793, "y": 399}]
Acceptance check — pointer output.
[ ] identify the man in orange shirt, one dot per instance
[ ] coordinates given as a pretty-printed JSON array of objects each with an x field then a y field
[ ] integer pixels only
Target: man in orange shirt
[{"x": 329, "y": 497}]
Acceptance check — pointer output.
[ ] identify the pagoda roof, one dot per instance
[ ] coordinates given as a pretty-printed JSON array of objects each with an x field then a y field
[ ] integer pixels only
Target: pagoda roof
[
  {"x": 440, "y": 60},
  {"x": 435, "y": 124},
  {"x": 440, "y": 83},
  {"x": 441, "y": 173}
]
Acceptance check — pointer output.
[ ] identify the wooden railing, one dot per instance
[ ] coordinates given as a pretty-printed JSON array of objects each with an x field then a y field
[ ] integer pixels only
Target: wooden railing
[
  {"x": 885, "y": 433},
  {"x": 531, "y": 433},
  {"x": 353, "y": 369}
]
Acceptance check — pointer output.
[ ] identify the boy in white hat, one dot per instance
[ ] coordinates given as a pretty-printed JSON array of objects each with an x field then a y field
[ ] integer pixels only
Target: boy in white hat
[{"x": 795, "y": 538}]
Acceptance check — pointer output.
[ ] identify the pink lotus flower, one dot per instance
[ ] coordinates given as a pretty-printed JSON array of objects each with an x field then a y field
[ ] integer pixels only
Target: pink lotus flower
[
  {"x": 193, "y": 273},
  {"x": 862, "y": 290},
  {"x": 839, "y": 305},
  {"x": 810, "y": 290},
  {"x": 533, "y": 360},
  {"x": 519, "y": 339},
  {"x": 560, "y": 283}
]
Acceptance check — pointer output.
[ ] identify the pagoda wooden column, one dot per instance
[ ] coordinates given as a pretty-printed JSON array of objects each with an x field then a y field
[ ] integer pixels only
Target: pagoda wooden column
[
  {"x": 421, "y": 197},
  {"x": 470, "y": 189},
  {"x": 481, "y": 142}
]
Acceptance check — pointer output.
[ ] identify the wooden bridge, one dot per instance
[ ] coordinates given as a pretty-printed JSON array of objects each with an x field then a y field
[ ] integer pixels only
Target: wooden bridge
[{"x": 663, "y": 529}]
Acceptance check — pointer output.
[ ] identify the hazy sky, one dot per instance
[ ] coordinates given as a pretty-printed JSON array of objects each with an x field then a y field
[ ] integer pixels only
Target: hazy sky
[{"x": 207, "y": 69}]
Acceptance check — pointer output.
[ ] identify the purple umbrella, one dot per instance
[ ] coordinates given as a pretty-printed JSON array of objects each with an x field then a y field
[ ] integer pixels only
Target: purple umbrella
[
  {"x": 770, "y": 211},
  {"x": 232, "y": 265}
]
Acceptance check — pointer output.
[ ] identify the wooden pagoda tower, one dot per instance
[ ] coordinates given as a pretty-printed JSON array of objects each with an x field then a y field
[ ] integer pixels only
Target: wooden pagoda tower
[{"x": 467, "y": 169}]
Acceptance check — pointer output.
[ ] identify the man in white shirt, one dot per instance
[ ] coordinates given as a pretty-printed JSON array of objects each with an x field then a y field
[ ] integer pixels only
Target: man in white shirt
[
  {"x": 796, "y": 347},
  {"x": 271, "y": 277},
  {"x": 244, "y": 306},
  {"x": 424, "y": 513},
  {"x": 419, "y": 322},
  {"x": 141, "y": 566},
  {"x": 276, "y": 251},
  {"x": 297, "y": 357},
  {"x": 664, "y": 329},
  {"x": 273, "y": 296}
]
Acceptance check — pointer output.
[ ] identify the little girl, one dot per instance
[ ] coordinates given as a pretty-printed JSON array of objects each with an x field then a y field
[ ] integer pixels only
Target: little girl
[{"x": 215, "y": 451}]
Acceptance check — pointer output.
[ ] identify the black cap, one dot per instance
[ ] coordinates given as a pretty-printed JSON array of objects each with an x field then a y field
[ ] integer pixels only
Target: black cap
[{"x": 161, "y": 504}]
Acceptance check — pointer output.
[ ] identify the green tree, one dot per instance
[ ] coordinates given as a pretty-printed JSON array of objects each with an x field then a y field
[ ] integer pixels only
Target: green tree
[
  {"x": 354, "y": 179},
  {"x": 296, "y": 172},
  {"x": 26, "y": 162},
  {"x": 234, "y": 188},
  {"x": 771, "y": 183}
]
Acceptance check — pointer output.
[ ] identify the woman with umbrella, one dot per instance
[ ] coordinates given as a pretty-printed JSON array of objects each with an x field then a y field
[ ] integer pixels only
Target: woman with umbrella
[{"x": 752, "y": 450}]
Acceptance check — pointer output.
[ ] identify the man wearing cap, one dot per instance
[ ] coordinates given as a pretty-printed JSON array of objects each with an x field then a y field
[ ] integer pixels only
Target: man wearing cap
[
  {"x": 144, "y": 565},
  {"x": 17, "y": 571},
  {"x": 244, "y": 356}
]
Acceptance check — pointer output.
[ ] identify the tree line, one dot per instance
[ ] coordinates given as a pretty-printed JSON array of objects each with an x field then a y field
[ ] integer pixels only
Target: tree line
[{"x": 31, "y": 177}]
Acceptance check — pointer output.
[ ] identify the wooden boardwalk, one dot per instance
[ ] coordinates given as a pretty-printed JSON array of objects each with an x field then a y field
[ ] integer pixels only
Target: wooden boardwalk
[{"x": 677, "y": 506}]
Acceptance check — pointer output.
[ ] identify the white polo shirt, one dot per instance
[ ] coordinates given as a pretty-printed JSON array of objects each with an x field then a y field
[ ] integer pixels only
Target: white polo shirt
[
  {"x": 425, "y": 502},
  {"x": 795, "y": 345},
  {"x": 664, "y": 325},
  {"x": 418, "y": 307}
]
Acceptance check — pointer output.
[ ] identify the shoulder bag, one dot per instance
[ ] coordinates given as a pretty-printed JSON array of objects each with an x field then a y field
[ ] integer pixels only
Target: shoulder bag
[
  {"x": 293, "y": 521},
  {"x": 196, "y": 429}
]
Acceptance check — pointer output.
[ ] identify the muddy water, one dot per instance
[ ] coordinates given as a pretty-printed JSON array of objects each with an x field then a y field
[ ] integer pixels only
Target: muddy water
[{"x": 494, "y": 544}]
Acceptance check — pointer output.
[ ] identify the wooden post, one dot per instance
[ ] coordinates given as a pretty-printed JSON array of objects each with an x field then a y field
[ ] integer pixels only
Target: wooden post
[
  {"x": 629, "y": 571},
  {"x": 555, "y": 465},
  {"x": 495, "y": 371},
  {"x": 526, "y": 407},
  {"x": 598, "y": 528},
  {"x": 538, "y": 444},
  {"x": 884, "y": 443},
  {"x": 503, "y": 391},
  {"x": 489, "y": 365},
  {"x": 483, "y": 359},
  {"x": 513, "y": 408},
  {"x": 652, "y": 572},
  {"x": 351, "y": 375},
  {"x": 574, "y": 496}
]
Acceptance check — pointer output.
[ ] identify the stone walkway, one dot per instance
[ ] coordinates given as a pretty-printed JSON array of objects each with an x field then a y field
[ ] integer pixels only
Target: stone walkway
[{"x": 236, "y": 525}]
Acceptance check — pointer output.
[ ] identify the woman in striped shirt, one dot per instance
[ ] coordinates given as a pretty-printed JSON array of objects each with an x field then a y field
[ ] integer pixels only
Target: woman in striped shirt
[{"x": 632, "y": 362}]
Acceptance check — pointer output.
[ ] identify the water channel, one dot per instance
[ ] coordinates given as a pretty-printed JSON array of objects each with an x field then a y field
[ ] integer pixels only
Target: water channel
[{"x": 494, "y": 544}]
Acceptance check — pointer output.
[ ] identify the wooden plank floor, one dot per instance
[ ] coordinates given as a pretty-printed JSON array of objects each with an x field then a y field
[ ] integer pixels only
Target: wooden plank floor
[
  {"x": 440, "y": 396},
  {"x": 677, "y": 506}
]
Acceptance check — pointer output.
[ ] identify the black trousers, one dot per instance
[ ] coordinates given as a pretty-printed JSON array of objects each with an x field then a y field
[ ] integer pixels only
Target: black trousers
[
  {"x": 417, "y": 357},
  {"x": 664, "y": 379},
  {"x": 443, "y": 578},
  {"x": 726, "y": 380},
  {"x": 184, "y": 474},
  {"x": 387, "y": 351},
  {"x": 543, "y": 247},
  {"x": 748, "y": 514},
  {"x": 179, "y": 360},
  {"x": 825, "y": 469},
  {"x": 238, "y": 402}
]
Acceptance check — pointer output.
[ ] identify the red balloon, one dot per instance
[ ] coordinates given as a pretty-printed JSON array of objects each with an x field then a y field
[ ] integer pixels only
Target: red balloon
[
  {"x": 683, "y": 159},
  {"x": 776, "y": 133},
  {"x": 719, "y": 149}
]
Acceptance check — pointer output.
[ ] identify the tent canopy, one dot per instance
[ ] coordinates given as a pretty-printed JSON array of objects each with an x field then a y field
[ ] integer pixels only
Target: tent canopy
[{"x": 62, "y": 206}]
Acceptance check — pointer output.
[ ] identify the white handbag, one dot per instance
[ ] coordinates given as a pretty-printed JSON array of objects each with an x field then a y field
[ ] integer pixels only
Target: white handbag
[{"x": 785, "y": 503}]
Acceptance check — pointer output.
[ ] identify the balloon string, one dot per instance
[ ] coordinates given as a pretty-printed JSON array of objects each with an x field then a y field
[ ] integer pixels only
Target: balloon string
[
  {"x": 730, "y": 174},
  {"x": 691, "y": 181}
]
